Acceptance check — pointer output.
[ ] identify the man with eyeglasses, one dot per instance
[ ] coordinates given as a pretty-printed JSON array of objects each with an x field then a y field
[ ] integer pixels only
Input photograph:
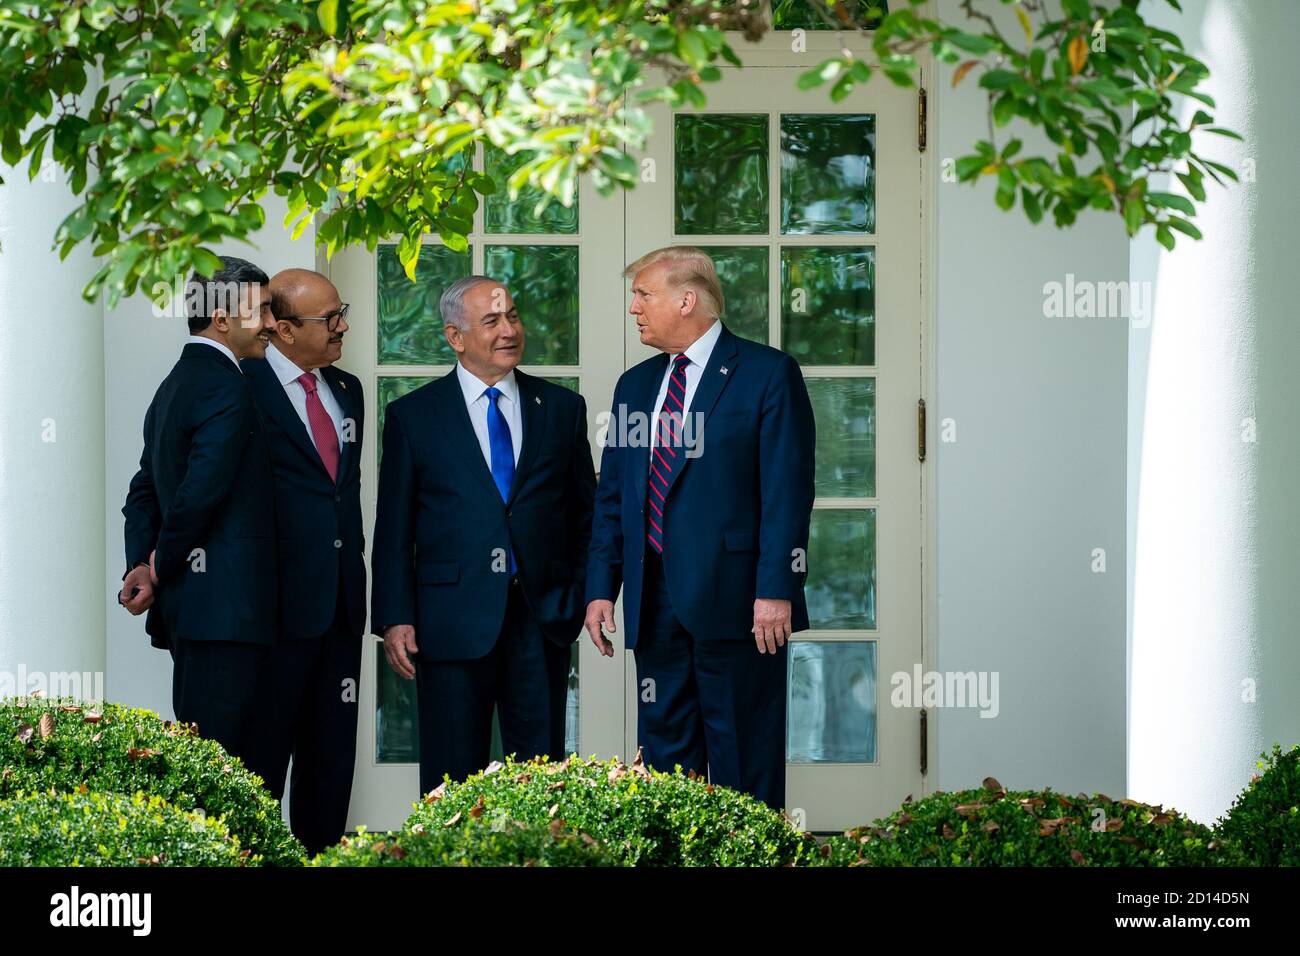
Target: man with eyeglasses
[{"x": 314, "y": 414}]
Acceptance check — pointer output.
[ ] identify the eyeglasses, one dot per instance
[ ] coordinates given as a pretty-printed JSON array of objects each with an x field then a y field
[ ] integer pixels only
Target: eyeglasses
[{"x": 331, "y": 321}]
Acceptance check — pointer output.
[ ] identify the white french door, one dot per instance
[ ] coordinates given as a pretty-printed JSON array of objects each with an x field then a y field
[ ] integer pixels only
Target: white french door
[{"x": 813, "y": 212}]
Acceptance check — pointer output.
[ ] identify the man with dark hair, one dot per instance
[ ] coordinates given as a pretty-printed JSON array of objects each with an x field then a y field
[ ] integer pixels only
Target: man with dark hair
[
  {"x": 314, "y": 414},
  {"x": 200, "y": 528}
]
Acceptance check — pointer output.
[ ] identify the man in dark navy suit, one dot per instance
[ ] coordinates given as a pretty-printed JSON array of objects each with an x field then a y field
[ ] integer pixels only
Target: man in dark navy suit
[
  {"x": 314, "y": 414},
  {"x": 200, "y": 520},
  {"x": 706, "y": 492},
  {"x": 481, "y": 533}
]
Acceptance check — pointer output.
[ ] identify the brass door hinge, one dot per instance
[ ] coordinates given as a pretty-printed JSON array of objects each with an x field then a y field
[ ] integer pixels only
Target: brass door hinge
[
  {"x": 920, "y": 120},
  {"x": 920, "y": 429}
]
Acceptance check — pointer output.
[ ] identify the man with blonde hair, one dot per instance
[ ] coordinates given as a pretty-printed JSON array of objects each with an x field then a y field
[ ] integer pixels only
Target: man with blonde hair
[{"x": 705, "y": 534}]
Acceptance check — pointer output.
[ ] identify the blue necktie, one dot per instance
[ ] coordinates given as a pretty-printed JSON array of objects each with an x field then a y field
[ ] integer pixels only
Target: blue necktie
[{"x": 502, "y": 448}]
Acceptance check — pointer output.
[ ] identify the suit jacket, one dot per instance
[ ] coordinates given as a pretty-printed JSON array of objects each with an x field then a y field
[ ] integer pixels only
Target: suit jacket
[
  {"x": 318, "y": 519},
  {"x": 441, "y": 528},
  {"x": 205, "y": 482},
  {"x": 737, "y": 513}
]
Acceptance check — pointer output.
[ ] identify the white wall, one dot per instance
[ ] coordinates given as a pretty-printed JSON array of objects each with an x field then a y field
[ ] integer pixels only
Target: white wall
[
  {"x": 1034, "y": 482},
  {"x": 1216, "y": 521},
  {"x": 139, "y": 350},
  {"x": 51, "y": 445}
]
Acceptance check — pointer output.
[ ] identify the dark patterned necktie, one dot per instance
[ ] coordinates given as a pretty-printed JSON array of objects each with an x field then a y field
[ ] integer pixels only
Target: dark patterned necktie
[{"x": 667, "y": 454}]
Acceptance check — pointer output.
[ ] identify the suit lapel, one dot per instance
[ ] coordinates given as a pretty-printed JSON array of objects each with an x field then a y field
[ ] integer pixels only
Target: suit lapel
[
  {"x": 339, "y": 389},
  {"x": 273, "y": 398},
  {"x": 533, "y": 412},
  {"x": 713, "y": 379},
  {"x": 453, "y": 417}
]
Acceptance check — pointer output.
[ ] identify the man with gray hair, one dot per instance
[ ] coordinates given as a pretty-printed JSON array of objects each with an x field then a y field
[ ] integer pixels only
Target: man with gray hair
[
  {"x": 705, "y": 534},
  {"x": 480, "y": 552}
]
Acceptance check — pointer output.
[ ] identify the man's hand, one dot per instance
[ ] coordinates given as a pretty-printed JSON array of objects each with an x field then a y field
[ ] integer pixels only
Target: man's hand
[
  {"x": 399, "y": 648},
  {"x": 601, "y": 614},
  {"x": 771, "y": 624},
  {"x": 139, "y": 577}
]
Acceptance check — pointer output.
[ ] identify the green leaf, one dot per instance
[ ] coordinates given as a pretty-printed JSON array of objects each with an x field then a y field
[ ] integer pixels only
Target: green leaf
[
  {"x": 1183, "y": 226},
  {"x": 842, "y": 88},
  {"x": 328, "y": 15},
  {"x": 1133, "y": 215},
  {"x": 211, "y": 122},
  {"x": 1172, "y": 201},
  {"x": 1032, "y": 208}
]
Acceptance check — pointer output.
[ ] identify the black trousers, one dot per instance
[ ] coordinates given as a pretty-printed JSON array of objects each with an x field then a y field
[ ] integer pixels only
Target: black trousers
[
  {"x": 710, "y": 703},
  {"x": 311, "y": 716},
  {"x": 218, "y": 685},
  {"x": 524, "y": 677}
]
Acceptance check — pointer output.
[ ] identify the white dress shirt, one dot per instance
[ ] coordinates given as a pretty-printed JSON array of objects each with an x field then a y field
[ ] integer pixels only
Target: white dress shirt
[
  {"x": 476, "y": 401},
  {"x": 219, "y": 346},
  {"x": 698, "y": 352},
  {"x": 287, "y": 373}
]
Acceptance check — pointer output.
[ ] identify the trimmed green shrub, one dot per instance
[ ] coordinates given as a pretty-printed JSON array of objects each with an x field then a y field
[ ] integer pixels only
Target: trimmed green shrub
[
  {"x": 109, "y": 829},
  {"x": 994, "y": 827},
  {"x": 64, "y": 746},
  {"x": 470, "y": 842},
  {"x": 1263, "y": 824},
  {"x": 644, "y": 817}
]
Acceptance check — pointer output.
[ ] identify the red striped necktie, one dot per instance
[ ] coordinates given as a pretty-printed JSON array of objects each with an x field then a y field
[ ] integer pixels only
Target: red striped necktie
[{"x": 666, "y": 455}]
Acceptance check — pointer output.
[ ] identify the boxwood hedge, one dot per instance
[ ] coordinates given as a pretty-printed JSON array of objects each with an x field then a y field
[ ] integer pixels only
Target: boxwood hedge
[
  {"x": 1263, "y": 824},
  {"x": 110, "y": 829},
  {"x": 471, "y": 842},
  {"x": 67, "y": 746},
  {"x": 994, "y": 827},
  {"x": 644, "y": 817}
]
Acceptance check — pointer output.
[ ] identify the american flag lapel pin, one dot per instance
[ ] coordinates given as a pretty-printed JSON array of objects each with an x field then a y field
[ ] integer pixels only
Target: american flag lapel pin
[
  {"x": 537, "y": 399},
  {"x": 723, "y": 370}
]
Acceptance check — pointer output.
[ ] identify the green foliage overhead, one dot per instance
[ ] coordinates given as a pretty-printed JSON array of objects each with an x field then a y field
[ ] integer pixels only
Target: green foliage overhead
[
  {"x": 471, "y": 842},
  {"x": 73, "y": 747},
  {"x": 1264, "y": 821},
  {"x": 644, "y": 817},
  {"x": 109, "y": 829},
  {"x": 994, "y": 827},
  {"x": 360, "y": 113}
]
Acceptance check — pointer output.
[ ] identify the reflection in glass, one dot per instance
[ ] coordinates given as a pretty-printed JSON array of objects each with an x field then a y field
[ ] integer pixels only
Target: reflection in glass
[
  {"x": 832, "y": 702},
  {"x": 802, "y": 15},
  {"x": 504, "y": 215},
  {"x": 396, "y": 715},
  {"x": 828, "y": 173},
  {"x": 391, "y": 387},
  {"x": 543, "y": 281},
  {"x": 845, "y": 412},
  {"x": 721, "y": 174},
  {"x": 828, "y": 304},
  {"x": 841, "y": 586},
  {"x": 410, "y": 326},
  {"x": 742, "y": 270}
]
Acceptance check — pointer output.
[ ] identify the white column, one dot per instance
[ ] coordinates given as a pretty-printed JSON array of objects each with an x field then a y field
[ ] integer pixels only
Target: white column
[
  {"x": 1214, "y": 453},
  {"x": 52, "y": 573}
]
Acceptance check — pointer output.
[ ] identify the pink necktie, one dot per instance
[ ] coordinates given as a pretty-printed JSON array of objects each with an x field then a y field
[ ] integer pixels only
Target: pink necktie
[{"x": 322, "y": 429}]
